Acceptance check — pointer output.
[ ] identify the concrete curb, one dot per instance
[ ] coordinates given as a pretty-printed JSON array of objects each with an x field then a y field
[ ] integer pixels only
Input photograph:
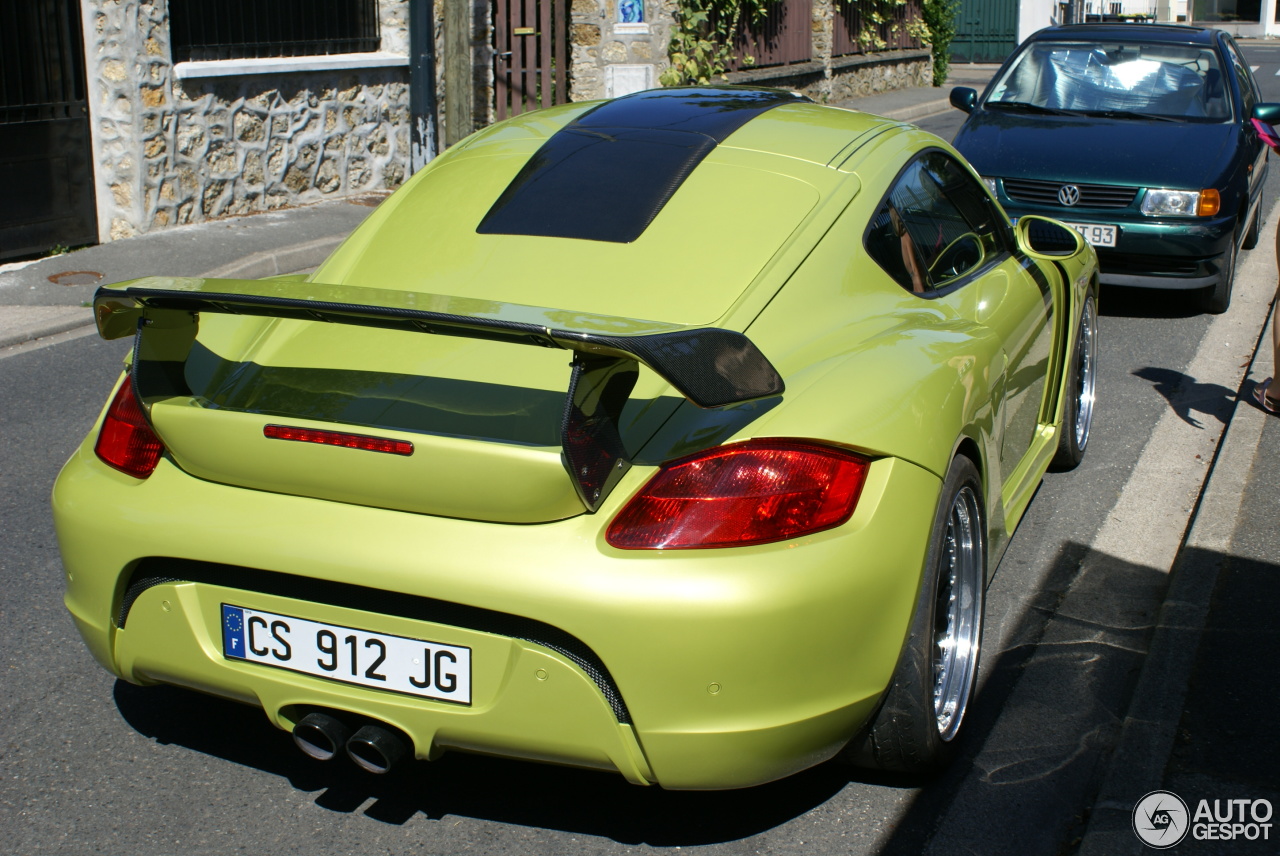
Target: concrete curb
[
  {"x": 39, "y": 328},
  {"x": 276, "y": 262},
  {"x": 273, "y": 262},
  {"x": 917, "y": 111},
  {"x": 1137, "y": 765}
]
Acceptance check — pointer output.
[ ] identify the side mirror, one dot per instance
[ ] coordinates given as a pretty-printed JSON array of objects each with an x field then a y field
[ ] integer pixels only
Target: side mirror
[
  {"x": 1040, "y": 237},
  {"x": 1269, "y": 113},
  {"x": 964, "y": 98}
]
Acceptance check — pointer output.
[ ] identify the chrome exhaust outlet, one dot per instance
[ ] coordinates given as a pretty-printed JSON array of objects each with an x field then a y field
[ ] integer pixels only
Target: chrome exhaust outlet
[
  {"x": 376, "y": 749},
  {"x": 320, "y": 735}
]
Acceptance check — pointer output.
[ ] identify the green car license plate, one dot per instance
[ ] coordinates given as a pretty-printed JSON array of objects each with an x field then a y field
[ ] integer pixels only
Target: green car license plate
[
  {"x": 413, "y": 666},
  {"x": 1096, "y": 234}
]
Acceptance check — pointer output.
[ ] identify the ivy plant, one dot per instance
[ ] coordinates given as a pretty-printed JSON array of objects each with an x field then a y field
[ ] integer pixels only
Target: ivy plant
[{"x": 701, "y": 49}]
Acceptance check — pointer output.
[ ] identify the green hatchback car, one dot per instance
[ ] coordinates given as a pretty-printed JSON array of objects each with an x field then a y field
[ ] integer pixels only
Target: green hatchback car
[
  {"x": 676, "y": 435},
  {"x": 1140, "y": 136}
]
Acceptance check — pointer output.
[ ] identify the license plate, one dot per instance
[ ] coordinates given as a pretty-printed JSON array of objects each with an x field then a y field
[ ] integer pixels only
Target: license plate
[
  {"x": 412, "y": 666},
  {"x": 1098, "y": 236}
]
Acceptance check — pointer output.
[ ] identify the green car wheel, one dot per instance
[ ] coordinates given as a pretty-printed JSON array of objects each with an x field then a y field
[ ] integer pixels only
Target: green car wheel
[
  {"x": 920, "y": 717},
  {"x": 1255, "y": 229},
  {"x": 1218, "y": 297}
]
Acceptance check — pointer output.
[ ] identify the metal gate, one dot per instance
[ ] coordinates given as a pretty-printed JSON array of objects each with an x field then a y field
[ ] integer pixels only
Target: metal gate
[
  {"x": 531, "y": 55},
  {"x": 986, "y": 31},
  {"x": 46, "y": 170}
]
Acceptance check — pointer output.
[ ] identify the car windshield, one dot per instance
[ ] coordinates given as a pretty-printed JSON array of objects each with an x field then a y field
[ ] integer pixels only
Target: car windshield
[{"x": 1119, "y": 79}]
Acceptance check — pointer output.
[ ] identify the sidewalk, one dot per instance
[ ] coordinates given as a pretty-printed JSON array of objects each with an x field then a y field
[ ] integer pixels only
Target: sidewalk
[
  {"x": 912, "y": 104},
  {"x": 51, "y": 295}
]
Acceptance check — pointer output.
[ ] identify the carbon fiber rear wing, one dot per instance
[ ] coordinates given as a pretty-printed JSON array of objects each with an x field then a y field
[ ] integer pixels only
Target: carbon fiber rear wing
[{"x": 709, "y": 366}]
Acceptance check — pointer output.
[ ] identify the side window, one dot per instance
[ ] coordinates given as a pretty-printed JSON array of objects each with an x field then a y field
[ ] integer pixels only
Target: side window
[
  {"x": 1248, "y": 88},
  {"x": 935, "y": 226}
]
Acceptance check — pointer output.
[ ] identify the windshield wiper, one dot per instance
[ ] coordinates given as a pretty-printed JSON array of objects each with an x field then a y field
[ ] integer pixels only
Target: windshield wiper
[
  {"x": 1129, "y": 114},
  {"x": 1029, "y": 107}
]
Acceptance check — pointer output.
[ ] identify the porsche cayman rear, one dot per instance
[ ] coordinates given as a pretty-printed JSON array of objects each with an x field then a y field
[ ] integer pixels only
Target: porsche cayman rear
[{"x": 514, "y": 471}]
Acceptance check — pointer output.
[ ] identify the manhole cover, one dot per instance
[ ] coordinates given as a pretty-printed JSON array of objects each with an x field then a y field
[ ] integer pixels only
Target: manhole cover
[
  {"x": 76, "y": 277},
  {"x": 373, "y": 200}
]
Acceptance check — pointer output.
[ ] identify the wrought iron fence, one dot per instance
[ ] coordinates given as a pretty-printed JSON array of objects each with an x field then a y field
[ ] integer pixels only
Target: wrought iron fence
[
  {"x": 242, "y": 29},
  {"x": 784, "y": 37},
  {"x": 870, "y": 26},
  {"x": 40, "y": 61}
]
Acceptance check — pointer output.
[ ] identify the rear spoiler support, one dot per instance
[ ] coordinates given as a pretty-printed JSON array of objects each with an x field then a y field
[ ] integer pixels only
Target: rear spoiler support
[{"x": 709, "y": 366}]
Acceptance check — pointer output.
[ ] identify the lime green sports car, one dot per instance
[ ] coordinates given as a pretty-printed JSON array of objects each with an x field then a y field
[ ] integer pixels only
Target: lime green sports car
[{"x": 675, "y": 435}]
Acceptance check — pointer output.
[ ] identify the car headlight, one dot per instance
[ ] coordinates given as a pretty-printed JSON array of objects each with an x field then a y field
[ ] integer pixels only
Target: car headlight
[
  {"x": 1181, "y": 203},
  {"x": 991, "y": 185}
]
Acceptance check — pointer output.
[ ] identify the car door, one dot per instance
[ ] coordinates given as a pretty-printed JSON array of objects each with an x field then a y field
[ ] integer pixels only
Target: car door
[
  {"x": 940, "y": 235},
  {"x": 1249, "y": 98}
]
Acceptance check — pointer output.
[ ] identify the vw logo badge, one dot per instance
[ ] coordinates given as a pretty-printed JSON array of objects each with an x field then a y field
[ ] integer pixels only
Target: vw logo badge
[{"x": 1068, "y": 195}]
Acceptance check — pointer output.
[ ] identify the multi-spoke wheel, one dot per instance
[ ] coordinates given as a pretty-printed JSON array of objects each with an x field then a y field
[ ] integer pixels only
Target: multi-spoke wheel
[
  {"x": 925, "y": 703},
  {"x": 1082, "y": 381},
  {"x": 957, "y": 613}
]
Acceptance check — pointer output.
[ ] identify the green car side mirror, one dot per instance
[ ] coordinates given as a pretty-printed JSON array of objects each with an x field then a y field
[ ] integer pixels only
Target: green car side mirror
[
  {"x": 964, "y": 98},
  {"x": 1269, "y": 113}
]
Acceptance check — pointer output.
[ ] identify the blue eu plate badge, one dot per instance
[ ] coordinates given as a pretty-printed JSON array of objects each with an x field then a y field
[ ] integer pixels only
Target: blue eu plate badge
[{"x": 233, "y": 631}]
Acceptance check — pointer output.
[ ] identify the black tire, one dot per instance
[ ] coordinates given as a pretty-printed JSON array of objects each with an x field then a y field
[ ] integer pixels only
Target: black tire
[
  {"x": 1218, "y": 297},
  {"x": 1255, "y": 229},
  {"x": 1082, "y": 381},
  {"x": 912, "y": 732}
]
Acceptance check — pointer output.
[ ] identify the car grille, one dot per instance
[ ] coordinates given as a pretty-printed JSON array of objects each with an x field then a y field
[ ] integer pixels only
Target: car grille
[
  {"x": 156, "y": 571},
  {"x": 1091, "y": 195}
]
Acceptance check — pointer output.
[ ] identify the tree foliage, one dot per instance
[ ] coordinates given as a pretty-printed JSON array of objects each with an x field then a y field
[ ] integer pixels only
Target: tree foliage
[{"x": 940, "y": 17}]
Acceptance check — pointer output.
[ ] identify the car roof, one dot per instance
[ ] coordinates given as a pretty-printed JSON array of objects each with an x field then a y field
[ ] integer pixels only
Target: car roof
[
  {"x": 1168, "y": 33},
  {"x": 669, "y": 202}
]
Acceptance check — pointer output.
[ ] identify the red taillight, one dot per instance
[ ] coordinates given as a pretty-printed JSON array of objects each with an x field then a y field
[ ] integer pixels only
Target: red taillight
[
  {"x": 338, "y": 438},
  {"x": 750, "y": 493},
  {"x": 126, "y": 441}
]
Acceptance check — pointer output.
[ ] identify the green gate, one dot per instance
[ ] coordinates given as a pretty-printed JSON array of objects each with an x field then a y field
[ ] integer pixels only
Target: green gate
[{"x": 986, "y": 31}]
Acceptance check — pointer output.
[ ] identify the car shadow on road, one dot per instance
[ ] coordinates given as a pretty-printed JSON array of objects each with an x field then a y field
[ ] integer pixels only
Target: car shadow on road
[
  {"x": 1046, "y": 719},
  {"x": 462, "y": 785},
  {"x": 1118, "y": 301}
]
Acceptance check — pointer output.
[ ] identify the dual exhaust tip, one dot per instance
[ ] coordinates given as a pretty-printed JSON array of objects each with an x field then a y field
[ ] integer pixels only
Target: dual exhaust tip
[{"x": 375, "y": 748}]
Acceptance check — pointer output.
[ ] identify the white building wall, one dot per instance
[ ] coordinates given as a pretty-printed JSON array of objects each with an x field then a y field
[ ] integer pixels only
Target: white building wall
[{"x": 1035, "y": 15}]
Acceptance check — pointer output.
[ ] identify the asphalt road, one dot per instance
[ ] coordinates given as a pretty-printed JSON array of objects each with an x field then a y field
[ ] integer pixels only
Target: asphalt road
[{"x": 89, "y": 764}]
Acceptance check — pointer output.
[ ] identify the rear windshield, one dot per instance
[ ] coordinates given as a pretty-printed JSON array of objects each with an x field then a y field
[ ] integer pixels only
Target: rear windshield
[{"x": 1176, "y": 81}]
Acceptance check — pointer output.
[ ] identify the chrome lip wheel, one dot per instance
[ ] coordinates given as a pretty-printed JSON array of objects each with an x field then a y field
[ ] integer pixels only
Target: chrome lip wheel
[
  {"x": 1086, "y": 376},
  {"x": 958, "y": 614}
]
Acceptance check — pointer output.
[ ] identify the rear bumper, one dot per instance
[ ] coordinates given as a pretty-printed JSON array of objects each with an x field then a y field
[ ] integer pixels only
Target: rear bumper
[{"x": 736, "y": 667}]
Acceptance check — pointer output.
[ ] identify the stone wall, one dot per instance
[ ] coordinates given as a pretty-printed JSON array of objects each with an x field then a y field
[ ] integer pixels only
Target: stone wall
[
  {"x": 612, "y": 58},
  {"x": 173, "y": 150},
  {"x": 188, "y": 143}
]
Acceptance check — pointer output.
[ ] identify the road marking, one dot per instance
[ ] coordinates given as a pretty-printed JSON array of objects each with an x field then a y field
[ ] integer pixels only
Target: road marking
[{"x": 1174, "y": 463}]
